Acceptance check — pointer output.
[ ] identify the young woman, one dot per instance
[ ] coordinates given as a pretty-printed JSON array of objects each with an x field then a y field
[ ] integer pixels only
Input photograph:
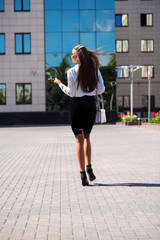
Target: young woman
[{"x": 84, "y": 82}]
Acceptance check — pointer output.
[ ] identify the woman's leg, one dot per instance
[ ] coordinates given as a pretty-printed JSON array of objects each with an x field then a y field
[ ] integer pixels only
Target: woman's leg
[
  {"x": 87, "y": 150},
  {"x": 80, "y": 152}
]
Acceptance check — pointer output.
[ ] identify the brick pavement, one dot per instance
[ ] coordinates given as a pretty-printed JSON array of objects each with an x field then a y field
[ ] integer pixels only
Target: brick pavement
[{"x": 41, "y": 196}]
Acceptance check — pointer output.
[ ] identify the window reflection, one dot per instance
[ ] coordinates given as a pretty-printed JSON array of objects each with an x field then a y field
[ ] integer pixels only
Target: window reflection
[
  {"x": 70, "y": 4},
  {"x": 88, "y": 39},
  {"x": 53, "y": 21},
  {"x": 103, "y": 4},
  {"x": 105, "y": 21},
  {"x": 69, "y": 40},
  {"x": 18, "y": 43},
  {"x": 70, "y": 21},
  {"x": 52, "y": 5},
  {"x": 89, "y": 4},
  {"x": 2, "y": 93},
  {"x": 1, "y": 5},
  {"x": 2, "y": 43},
  {"x": 23, "y": 43},
  {"x": 53, "y": 59},
  {"x": 22, "y": 5},
  {"x": 27, "y": 43},
  {"x": 106, "y": 40},
  {"x": 53, "y": 42},
  {"x": 26, "y": 5},
  {"x": 23, "y": 93},
  {"x": 87, "y": 21}
]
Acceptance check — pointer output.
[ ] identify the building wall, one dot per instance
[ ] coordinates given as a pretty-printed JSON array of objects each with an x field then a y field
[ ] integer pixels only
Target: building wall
[
  {"x": 135, "y": 33},
  {"x": 23, "y": 68}
]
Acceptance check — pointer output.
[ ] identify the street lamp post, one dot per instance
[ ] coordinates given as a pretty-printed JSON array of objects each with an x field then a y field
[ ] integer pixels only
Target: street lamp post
[
  {"x": 149, "y": 93},
  {"x": 132, "y": 69}
]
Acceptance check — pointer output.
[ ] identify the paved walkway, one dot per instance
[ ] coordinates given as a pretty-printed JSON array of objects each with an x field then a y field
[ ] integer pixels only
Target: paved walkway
[{"x": 41, "y": 196}]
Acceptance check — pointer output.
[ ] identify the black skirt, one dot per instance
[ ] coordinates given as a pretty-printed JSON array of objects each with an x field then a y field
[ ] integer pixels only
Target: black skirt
[{"x": 82, "y": 114}]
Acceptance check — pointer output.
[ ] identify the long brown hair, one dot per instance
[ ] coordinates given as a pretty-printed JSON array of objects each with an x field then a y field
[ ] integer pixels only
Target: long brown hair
[{"x": 88, "y": 68}]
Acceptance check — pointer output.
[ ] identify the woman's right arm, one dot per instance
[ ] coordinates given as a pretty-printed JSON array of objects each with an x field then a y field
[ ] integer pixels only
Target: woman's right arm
[{"x": 100, "y": 86}]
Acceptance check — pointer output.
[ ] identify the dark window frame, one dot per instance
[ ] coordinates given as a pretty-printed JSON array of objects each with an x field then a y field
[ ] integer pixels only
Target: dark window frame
[
  {"x": 152, "y": 102},
  {"x": 23, "y": 103},
  {"x": 122, "y": 109},
  {"x": 3, "y": 7},
  {"x": 22, "y": 10},
  {"x": 22, "y": 43},
  {"x": 5, "y": 94},
  {"x": 146, "y": 17},
  {"x": 147, "y": 76},
  {"x": 120, "y": 14},
  {"x": 4, "y": 44},
  {"x": 122, "y": 45},
  {"x": 147, "y": 45}
]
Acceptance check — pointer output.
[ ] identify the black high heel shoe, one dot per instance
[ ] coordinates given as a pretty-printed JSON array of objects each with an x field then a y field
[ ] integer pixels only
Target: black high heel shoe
[
  {"x": 84, "y": 178},
  {"x": 91, "y": 175}
]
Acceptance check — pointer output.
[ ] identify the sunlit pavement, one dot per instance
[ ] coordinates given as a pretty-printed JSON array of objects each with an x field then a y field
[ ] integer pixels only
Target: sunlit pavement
[{"x": 41, "y": 193}]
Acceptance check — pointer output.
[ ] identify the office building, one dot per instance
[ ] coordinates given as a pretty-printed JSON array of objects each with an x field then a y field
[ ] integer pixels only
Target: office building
[{"x": 137, "y": 43}]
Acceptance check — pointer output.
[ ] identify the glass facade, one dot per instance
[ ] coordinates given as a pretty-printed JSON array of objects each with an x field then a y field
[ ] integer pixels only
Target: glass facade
[{"x": 72, "y": 22}]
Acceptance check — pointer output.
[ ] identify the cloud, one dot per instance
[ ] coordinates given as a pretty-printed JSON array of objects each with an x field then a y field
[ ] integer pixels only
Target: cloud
[{"x": 106, "y": 26}]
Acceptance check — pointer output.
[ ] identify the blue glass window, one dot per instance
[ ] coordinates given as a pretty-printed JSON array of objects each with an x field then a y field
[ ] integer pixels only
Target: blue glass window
[
  {"x": 89, "y": 4},
  {"x": 104, "y": 4},
  {"x": 53, "y": 42},
  {"x": 53, "y": 59},
  {"x": 53, "y": 21},
  {"x": 69, "y": 41},
  {"x": 88, "y": 39},
  {"x": 69, "y": 4},
  {"x": 22, "y": 43},
  {"x": 1, "y": 5},
  {"x": 106, "y": 41},
  {"x": 121, "y": 20},
  {"x": 21, "y": 5},
  {"x": 70, "y": 21},
  {"x": 2, "y": 43},
  {"x": 2, "y": 93},
  {"x": 105, "y": 21},
  {"x": 52, "y": 5},
  {"x": 87, "y": 21}
]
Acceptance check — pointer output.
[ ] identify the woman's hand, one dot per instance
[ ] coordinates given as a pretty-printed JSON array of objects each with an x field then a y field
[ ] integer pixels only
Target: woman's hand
[{"x": 57, "y": 81}]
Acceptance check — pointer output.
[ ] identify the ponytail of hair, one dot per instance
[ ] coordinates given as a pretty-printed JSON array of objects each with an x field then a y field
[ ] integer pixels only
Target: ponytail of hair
[{"x": 88, "y": 68}]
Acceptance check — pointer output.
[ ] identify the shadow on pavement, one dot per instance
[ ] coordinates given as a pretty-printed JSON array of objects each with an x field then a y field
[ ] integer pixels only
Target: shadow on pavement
[{"x": 126, "y": 185}]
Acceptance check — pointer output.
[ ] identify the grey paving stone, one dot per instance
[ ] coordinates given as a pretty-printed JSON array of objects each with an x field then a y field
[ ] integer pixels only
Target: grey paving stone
[{"x": 41, "y": 196}]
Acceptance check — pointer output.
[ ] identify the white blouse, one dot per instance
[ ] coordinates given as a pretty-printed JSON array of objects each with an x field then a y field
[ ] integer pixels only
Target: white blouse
[{"x": 72, "y": 91}]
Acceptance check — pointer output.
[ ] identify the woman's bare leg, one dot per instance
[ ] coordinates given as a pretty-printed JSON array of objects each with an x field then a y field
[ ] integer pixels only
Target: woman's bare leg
[
  {"x": 87, "y": 150},
  {"x": 80, "y": 152}
]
